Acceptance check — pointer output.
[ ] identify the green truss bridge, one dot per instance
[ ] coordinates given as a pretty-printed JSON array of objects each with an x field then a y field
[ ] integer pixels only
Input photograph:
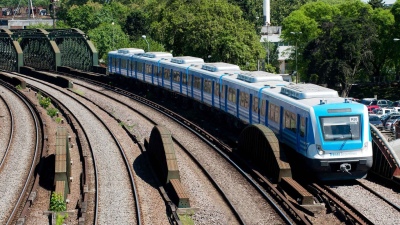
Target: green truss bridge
[{"x": 46, "y": 49}]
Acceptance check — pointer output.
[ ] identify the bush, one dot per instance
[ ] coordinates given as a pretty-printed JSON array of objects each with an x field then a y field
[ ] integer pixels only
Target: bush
[
  {"x": 58, "y": 120},
  {"x": 52, "y": 112},
  {"x": 45, "y": 102},
  {"x": 57, "y": 203}
]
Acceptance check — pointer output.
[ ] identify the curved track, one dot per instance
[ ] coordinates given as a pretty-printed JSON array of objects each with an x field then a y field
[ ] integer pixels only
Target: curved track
[
  {"x": 17, "y": 177},
  {"x": 200, "y": 133},
  {"x": 114, "y": 201}
]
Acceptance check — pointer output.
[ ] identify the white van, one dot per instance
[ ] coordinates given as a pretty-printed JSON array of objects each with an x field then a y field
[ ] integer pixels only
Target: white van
[{"x": 384, "y": 111}]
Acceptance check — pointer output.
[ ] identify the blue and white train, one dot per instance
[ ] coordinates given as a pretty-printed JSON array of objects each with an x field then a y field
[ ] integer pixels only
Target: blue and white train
[{"x": 331, "y": 133}]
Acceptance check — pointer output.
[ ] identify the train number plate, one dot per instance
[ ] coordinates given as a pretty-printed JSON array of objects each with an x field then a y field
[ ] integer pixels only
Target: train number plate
[{"x": 335, "y": 154}]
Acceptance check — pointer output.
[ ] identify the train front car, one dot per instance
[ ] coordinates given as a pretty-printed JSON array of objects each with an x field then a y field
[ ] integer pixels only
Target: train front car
[{"x": 342, "y": 148}]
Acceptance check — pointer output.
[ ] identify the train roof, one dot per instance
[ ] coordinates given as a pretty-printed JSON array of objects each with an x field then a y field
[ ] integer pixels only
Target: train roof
[{"x": 127, "y": 51}]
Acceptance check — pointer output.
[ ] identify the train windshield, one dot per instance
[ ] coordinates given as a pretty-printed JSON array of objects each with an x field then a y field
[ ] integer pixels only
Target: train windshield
[{"x": 341, "y": 128}]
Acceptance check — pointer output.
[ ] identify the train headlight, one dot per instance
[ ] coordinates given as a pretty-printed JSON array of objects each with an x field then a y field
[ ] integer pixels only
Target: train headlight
[{"x": 319, "y": 150}]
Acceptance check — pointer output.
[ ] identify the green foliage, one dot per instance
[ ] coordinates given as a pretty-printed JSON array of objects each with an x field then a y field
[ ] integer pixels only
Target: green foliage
[
  {"x": 60, "y": 218},
  {"x": 44, "y": 102},
  {"x": 208, "y": 28},
  {"x": 57, "y": 203},
  {"x": 58, "y": 120},
  {"x": 78, "y": 92},
  {"x": 186, "y": 220},
  {"x": 122, "y": 124},
  {"x": 19, "y": 87},
  {"x": 107, "y": 37},
  {"x": 270, "y": 68},
  {"x": 52, "y": 112}
]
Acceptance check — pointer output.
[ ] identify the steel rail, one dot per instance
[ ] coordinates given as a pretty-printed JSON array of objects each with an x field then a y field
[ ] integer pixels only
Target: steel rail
[
  {"x": 210, "y": 140},
  {"x": 132, "y": 181},
  {"x": 350, "y": 212},
  {"x": 379, "y": 195},
  {"x": 88, "y": 142},
  {"x": 38, "y": 126},
  {"x": 11, "y": 132}
]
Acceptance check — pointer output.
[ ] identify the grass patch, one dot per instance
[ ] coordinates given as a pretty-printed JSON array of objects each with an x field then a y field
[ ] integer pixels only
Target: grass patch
[
  {"x": 52, "y": 112},
  {"x": 186, "y": 220},
  {"x": 78, "y": 92},
  {"x": 128, "y": 127},
  {"x": 60, "y": 218},
  {"x": 58, "y": 120}
]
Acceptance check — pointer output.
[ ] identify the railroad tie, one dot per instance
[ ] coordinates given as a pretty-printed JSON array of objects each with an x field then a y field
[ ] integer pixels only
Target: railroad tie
[
  {"x": 296, "y": 190},
  {"x": 179, "y": 195}
]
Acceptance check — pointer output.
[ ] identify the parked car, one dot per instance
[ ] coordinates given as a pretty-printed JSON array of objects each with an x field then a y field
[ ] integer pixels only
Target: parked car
[
  {"x": 381, "y": 103},
  {"x": 396, "y": 104},
  {"x": 367, "y": 101},
  {"x": 372, "y": 108},
  {"x": 43, "y": 12},
  {"x": 390, "y": 123},
  {"x": 375, "y": 120},
  {"x": 384, "y": 111},
  {"x": 391, "y": 117}
]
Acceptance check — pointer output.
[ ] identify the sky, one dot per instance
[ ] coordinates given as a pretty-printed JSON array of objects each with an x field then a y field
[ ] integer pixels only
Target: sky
[{"x": 385, "y": 1}]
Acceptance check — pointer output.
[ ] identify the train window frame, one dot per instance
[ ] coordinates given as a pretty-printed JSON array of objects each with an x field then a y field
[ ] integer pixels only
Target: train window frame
[
  {"x": 140, "y": 67},
  {"x": 273, "y": 112},
  {"x": 340, "y": 134},
  {"x": 148, "y": 69},
  {"x": 167, "y": 73},
  {"x": 197, "y": 82},
  {"x": 303, "y": 126},
  {"x": 207, "y": 85},
  {"x": 290, "y": 120},
  {"x": 244, "y": 99},
  {"x": 255, "y": 104},
  {"x": 176, "y": 76},
  {"x": 231, "y": 94},
  {"x": 123, "y": 64}
]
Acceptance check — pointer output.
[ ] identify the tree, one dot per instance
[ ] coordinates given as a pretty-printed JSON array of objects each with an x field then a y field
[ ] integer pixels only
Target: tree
[
  {"x": 137, "y": 24},
  {"x": 208, "y": 28},
  {"x": 376, "y": 3},
  {"x": 107, "y": 37},
  {"x": 344, "y": 48}
]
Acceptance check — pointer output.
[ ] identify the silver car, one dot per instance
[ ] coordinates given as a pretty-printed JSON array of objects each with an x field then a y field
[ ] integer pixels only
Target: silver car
[{"x": 389, "y": 123}]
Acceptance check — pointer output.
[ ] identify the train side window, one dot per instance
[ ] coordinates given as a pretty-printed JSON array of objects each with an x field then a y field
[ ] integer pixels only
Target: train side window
[
  {"x": 140, "y": 67},
  {"x": 302, "y": 126},
  {"x": 197, "y": 82},
  {"x": 244, "y": 99},
  {"x": 274, "y": 111},
  {"x": 167, "y": 74},
  {"x": 123, "y": 64},
  {"x": 184, "y": 78},
  {"x": 133, "y": 65},
  {"x": 262, "y": 107},
  {"x": 290, "y": 121},
  {"x": 148, "y": 69},
  {"x": 159, "y": 71},
  {"x": 190, "y": 79},
  {"x": 207, "y": 86},
  {"x": 255, "y": 104},
  {"x": 177, "y": 76},
  {"x": 114, "y": 62},
  {"x": 216, "y": 89},
  {"x": 231, "y": 95}
]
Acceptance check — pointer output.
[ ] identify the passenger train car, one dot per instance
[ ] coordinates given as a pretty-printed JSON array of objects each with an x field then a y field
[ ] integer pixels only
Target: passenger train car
[{"x": 330, "y": 133}]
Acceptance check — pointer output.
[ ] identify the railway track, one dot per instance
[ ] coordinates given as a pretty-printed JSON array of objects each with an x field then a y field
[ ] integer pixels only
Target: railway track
[
  {"x": 6, "y": 129},
  {"x": 112, "y": 205},
  {"x": 205, "y": 136},
  {"x": 17, "y": 178},
  {"x": 333, "y": 205}
]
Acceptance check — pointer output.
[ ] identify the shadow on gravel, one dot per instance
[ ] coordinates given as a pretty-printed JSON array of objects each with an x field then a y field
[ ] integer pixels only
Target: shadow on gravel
[
  {"x": 142, "y": 167},
  {"x": 46, "y": 168}
]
